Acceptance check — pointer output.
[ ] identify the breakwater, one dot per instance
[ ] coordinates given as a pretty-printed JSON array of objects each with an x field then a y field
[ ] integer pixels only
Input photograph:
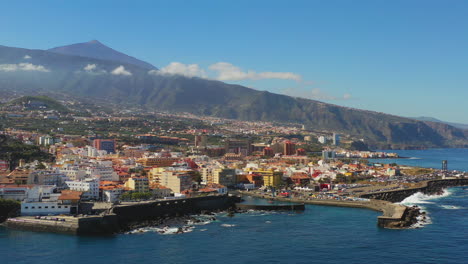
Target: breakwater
[
  {"x": 427, "y": 187},
  {"x": 125, "y": 217},
  {"x": 393, "y": 216},
  {"x": 131, "y": 215}
]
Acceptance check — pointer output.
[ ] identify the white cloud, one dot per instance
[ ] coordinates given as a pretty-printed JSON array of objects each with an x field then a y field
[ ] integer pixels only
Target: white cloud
[
  {"x": 223, "y": 71},
  {"x": 90, "y": 67},
  {"x": 189, "y": 70},
  {"x": 22, "y": 67},
  {"x": 228, "y": 72},
  {"x": 121, "y": 71},
  {"x": 27, "y": 57}
]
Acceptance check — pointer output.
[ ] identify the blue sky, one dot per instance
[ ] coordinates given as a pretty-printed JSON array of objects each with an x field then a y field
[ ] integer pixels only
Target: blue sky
[{"x": 407, "y": 58}]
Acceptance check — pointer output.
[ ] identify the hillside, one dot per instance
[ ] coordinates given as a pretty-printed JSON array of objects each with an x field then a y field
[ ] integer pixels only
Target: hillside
[
  {"x": 37, "y": 103},
  {"x": 127, "y": 84}
]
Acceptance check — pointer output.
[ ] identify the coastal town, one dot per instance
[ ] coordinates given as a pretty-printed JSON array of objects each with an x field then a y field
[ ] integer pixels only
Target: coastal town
[{"x": 132, "y": 158}]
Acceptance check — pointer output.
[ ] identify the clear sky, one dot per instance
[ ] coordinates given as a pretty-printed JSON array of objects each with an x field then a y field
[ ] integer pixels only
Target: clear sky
[{"x": 406, "y": 57}]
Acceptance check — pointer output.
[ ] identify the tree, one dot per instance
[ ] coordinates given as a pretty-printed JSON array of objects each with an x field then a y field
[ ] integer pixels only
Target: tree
[{"x": 40, "y": 166}]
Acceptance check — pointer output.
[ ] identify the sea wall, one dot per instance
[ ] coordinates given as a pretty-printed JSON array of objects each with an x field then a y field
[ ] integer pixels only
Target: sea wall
[
  {"x": 124, "y": 217},
  {"x": 429, "y": 187},
  {"x": 89, "y": 225},
  {"x": 129, "y": 214}
]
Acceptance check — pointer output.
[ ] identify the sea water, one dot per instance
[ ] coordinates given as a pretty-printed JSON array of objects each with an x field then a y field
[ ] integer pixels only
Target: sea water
[{"x": 320, "y": 234}]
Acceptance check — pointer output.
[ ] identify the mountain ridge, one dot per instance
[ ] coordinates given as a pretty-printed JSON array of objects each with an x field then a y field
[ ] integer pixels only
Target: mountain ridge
[{"x": 134, "y": 85}]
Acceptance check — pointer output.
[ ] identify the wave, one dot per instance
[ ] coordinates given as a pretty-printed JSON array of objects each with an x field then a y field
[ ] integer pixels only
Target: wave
[
  {"x": 451, "y": 207},
  {"x": 414, "y": 158},
  {"x": 423, "y": 220},
  {"x": 421, "y": 198},
  {"x": 228, "y": 225}
]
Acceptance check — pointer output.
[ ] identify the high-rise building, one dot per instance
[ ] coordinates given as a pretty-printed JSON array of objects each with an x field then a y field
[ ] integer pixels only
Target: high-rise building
[
  {"x": 336, "y": 139},
  {"x": 268, "y": 152},
  {"x": 289, "y": 148},
  {"x": 105, "y": 144}
]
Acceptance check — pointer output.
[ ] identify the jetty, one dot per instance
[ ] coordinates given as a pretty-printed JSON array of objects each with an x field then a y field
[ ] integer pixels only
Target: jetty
[{"x": 394, "y": 215}]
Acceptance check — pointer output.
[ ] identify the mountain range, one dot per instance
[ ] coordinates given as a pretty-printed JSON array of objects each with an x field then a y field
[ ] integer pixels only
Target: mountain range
[{"x": 114, "y": 78}]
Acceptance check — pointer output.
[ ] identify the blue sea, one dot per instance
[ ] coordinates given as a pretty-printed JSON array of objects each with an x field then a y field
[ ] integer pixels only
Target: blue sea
[
  {"x": 320, "y": 234},
  {"x": 457, "y": 159}
]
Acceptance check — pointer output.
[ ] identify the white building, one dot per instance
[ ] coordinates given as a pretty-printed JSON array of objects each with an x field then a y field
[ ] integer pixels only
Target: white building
[
  {"x": 89, "y": 187},
  {"x": 112, "y": 194},
  {"x": 14, "y": 192},
  {"x": 44, "y": 208},
  {"x": 48, "y": 178},
  {"x": 322, "y": 140},
  {"x": 74, "y": 173}
]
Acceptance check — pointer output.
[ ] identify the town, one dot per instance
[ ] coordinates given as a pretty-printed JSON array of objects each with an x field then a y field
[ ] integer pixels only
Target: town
[{"x": 134, "y": 157}]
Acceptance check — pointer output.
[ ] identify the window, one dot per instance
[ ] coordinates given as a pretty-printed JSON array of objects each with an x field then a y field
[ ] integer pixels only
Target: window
[
  {"x": 46, "y": 207},
  {"x": 53, "y": 206},
  {"x": 26, "y": 207},
  {"x": 66, "y": 206},
  {"x": 33, "y": 207},
  {"x": 40, "y": 207},
  {"x": 59, "y": 206}
]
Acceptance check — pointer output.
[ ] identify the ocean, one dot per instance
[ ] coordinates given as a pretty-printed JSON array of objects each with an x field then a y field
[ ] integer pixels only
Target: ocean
[{"x": 320, "y": 234}]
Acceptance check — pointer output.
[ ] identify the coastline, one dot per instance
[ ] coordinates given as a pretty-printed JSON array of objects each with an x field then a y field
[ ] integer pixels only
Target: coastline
[{"x": 394, "y": 215}]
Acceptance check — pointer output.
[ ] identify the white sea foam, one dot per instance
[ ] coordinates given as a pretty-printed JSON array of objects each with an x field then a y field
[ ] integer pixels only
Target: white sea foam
[
  {"x": 451, "y": 207},
  {"x": 423, "y": 220},
  {"x": 414, "y": 158},
  {"x": 228, "y": 225},
  {"x": 421, "y": 198}
]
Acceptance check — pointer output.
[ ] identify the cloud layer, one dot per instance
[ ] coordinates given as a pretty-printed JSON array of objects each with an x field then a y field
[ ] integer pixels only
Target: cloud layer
[
  {"x": 228, "y": 72},
  {"x": 22, "y": 67},
  {"x": 189, "y": 70},
  {"x": 223, "y": 71},
  {"x": 121, "y": 71}
]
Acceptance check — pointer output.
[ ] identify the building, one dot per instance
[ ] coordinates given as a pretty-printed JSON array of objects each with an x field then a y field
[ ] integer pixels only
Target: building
[
  {"x": 270, "y": 176},
  {"x": 89, "y": 188},
  {"x": 105, "y": 144},
  {"x": 300, "y": 152},
  {"x": 241, "y": 146},
  {"x": 328, "y": 154},
  {"x": 4, "y": 165},
  {"x": 322, "y": 140},
  {"x": 47, "y": 178},
  {"x": 219, "y": 175},
  {"x": 14, "y": 192},
  {"x": 336, "y": 139},
  {"x": 47, "y": 140},
  {"x": 138, "y": 184},
  {"x": 289, "y": 148},
  {"x": 268, "y": 152},
  {"x": 41, "y": 203},
  {"x": 157, "y": 161},
  {"x": 176, "y": 181}
]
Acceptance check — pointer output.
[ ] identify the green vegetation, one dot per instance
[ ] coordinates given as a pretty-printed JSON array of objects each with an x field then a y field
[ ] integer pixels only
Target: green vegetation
[
  {"x": 9, "y": 208},
  {"x": 13, "y": 150},
  {"x": 133, "y": 196},
  {"x": 48, "y": 102}
]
